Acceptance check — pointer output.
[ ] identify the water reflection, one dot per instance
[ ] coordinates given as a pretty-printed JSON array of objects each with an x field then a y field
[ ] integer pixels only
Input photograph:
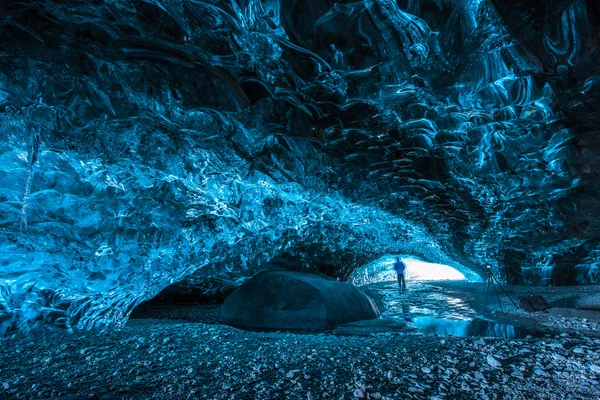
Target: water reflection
[
  {"x": 475, "y": 327},
  {"x": 432, "y": 309}
]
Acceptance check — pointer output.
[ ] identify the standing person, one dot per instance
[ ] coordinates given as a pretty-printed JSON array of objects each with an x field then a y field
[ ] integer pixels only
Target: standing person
[{"x": 400, "y": 268}]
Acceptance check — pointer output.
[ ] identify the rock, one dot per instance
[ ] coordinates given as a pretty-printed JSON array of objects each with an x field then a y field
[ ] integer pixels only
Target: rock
[
  {"x": 533, "y": 303},
  {"x": 493, "y": 361},
  {"x": 295, "y": 300},
  {"x": 5, "y": 386},
  {"x": 359, "y": 394},
  {"x": 595, "y": 369}
]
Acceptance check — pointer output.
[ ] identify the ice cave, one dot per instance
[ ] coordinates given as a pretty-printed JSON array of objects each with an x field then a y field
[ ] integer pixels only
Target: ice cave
[{"x": 299, "y": 199}]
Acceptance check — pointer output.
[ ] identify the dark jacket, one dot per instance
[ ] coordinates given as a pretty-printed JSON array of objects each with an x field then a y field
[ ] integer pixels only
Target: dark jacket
[{"x": 400, "y": 267}]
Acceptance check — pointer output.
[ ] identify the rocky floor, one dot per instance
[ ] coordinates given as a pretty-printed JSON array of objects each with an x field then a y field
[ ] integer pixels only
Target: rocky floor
[
  {"x": 152, "y": 359},
  {"x": 176, "y": 359}
]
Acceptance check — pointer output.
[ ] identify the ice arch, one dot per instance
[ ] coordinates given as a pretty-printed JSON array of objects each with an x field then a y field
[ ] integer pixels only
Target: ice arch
[{"x": 145, "y": 141}]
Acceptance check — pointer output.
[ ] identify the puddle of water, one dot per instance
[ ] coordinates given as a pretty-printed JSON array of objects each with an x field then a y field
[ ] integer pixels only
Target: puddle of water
[
  {"x": 475, "y": 327},
  {"x": 434, "y": 310}
]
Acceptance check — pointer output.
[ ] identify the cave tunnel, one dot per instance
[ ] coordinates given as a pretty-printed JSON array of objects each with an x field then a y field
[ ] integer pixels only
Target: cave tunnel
[
  {"x": 249, "y": 169},
  {"x": 382, "y": 270}
]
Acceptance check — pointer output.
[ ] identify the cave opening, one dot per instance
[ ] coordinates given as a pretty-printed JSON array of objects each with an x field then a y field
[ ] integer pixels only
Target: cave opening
[{"x": 381, "y": 270}]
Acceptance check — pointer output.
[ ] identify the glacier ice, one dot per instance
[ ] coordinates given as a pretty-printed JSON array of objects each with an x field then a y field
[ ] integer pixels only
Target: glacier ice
[{"x": 145, "y": 141}]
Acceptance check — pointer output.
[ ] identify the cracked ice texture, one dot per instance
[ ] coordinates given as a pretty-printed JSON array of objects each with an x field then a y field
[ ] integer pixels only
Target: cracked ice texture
[{"x": 145, "y": 141}]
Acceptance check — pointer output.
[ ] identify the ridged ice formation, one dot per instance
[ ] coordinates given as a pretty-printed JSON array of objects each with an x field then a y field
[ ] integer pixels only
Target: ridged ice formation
[{"x": 145, "y": 140}]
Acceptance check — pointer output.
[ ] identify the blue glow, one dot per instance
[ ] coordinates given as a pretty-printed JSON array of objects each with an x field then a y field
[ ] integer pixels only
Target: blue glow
[{"x": 144, "y": 141}]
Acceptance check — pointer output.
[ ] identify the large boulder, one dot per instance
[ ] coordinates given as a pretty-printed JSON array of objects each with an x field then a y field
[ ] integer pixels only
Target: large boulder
[
  {"x": 295, "y": 300},
  {"x": 533, "y": 303}
]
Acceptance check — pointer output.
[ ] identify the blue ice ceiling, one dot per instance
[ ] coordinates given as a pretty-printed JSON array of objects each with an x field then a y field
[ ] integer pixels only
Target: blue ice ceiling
[{"x": 144, "y": 141}]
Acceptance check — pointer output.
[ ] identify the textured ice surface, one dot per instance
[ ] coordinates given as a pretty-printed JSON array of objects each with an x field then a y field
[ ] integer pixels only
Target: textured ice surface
[{"x": 144, "y": 141}]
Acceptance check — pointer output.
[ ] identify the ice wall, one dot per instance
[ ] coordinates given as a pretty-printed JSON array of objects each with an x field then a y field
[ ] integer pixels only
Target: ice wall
[{"x": 144, "y": 141}]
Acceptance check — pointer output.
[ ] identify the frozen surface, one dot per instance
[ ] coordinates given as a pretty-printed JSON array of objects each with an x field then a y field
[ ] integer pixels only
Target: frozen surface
[{"x": 144, "y": 141}]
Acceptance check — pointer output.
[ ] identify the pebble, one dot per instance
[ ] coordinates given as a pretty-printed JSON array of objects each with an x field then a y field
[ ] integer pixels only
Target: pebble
[
  {"x": 236, "y": 364},
  {"x": 5, "y": 386},
  {"x": 492, "y": 361}
]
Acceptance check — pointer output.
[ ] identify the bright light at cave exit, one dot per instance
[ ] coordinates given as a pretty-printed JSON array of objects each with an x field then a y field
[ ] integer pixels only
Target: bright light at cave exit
[
  {"x": 417, "y": 270},
  {"x": 382, "y": 270}
]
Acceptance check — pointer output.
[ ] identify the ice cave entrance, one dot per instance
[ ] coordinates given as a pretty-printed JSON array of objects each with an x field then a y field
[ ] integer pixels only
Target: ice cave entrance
[{"x": 382, "y": 270}]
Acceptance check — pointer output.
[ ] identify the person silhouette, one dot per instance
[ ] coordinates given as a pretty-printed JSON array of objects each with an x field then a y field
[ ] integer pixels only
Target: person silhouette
[{"x": 400, "y": 268}]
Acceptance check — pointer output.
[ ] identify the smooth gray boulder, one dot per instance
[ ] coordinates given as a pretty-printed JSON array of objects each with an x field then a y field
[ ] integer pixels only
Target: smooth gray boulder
[{"x": 295, "y": 300}]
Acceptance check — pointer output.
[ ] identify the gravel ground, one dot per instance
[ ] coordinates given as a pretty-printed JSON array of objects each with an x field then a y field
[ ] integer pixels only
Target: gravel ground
[
  {"x": 158, "y": 359},
  {"x": 179, "y": 359}
]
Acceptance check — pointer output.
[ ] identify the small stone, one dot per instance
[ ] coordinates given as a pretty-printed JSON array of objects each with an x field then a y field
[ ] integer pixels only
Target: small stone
[
  {"x": 493, "y": 361},
  {"x": 290, "y": 374},
  {"x": 595, "y": 369},
  {"x": 5, "y": 386},
  {"x": 426, "y": 370},
  {"x": 359, "y": 394},
  {"x": 578, "y": 350}
]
